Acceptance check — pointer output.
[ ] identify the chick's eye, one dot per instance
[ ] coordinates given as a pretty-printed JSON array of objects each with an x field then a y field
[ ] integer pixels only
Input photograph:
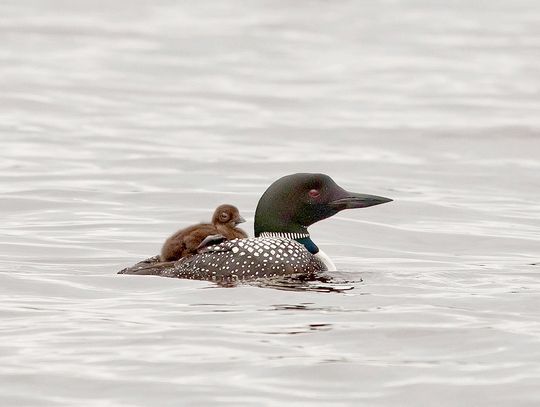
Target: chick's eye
[{"x": 314, "y": 193}]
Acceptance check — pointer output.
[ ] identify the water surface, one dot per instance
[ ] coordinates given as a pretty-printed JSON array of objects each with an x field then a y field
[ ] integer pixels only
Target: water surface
[{"x": 123, "y": 121}]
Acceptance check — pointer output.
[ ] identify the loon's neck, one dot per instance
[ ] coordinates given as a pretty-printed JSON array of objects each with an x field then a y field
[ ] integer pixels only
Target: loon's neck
[{"x": 300, "y": 237}]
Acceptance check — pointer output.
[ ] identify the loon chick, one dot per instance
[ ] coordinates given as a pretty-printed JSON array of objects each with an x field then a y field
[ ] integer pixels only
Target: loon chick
[
  {"x": 187, "y": 242},
  {"x": 282, "y": 244}
]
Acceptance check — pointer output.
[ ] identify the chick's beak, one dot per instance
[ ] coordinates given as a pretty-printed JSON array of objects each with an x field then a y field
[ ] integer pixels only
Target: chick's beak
[{"x": 240, "y": 220}]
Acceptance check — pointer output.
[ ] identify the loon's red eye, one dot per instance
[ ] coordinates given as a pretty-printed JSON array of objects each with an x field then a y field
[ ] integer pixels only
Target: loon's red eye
[{"x": 314, "y": 193}]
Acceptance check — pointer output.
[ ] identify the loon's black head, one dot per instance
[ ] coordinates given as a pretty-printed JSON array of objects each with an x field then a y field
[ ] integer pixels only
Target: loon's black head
[{"x": 294, "y": 202}]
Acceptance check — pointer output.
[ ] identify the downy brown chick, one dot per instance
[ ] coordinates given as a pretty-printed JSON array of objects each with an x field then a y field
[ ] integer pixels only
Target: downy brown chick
[{"x": 188, "y": 241}]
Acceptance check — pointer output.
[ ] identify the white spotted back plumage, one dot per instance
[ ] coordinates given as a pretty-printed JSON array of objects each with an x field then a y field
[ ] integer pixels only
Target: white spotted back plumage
[{"x": 241, "y": 259}]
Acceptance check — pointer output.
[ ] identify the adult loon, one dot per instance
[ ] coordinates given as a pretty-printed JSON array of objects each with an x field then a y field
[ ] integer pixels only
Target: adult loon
[{"x": 282, "y": 244}]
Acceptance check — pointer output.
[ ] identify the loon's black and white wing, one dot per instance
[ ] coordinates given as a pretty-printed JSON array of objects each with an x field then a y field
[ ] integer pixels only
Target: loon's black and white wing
[
  {"x": 151, "y": 266},
  {"x": 240, "y": 259}
]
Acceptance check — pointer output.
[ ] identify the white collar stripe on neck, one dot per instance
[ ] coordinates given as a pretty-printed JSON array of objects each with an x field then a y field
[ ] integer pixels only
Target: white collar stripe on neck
[{"x": 286, "y": 235}]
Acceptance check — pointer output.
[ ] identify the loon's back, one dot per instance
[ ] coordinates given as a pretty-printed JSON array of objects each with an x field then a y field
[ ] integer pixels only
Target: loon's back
[{"x": 237, "y": 260}]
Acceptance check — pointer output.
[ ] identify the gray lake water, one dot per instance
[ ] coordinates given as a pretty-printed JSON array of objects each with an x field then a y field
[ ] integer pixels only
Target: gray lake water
[{"x": 122, "y": 121}]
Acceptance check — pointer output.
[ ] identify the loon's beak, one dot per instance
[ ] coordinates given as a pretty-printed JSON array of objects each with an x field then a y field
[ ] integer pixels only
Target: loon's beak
[
  {"x": 240, "y": 220},
  {"x": 352, "y": 200}
]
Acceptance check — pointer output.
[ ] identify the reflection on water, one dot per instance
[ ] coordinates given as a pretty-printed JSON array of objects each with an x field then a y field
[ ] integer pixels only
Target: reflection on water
[
  {"x": 122, "y": 122},
  {"x": 320, "y": 283}
]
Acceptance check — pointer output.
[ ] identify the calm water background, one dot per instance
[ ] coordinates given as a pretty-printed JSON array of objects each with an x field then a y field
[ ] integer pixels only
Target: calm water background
[{"x": 122, "y": 121}]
